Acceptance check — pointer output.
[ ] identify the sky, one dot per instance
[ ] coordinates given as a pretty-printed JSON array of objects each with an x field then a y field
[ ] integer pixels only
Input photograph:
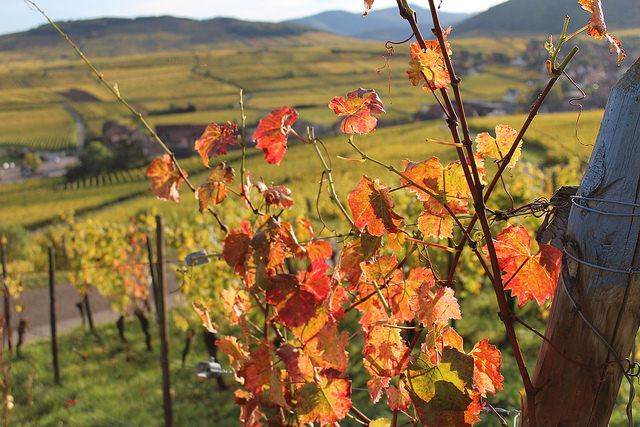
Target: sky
[{"x": 16, "y": 15}]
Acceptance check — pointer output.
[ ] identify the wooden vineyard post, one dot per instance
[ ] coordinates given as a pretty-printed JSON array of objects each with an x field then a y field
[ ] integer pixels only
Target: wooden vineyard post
[
  {"x": 52, "y": 319},
  {"x": 6, "y": 294},
  {"x": 596, "y": 310},
  {"x": 161, "y": 311}
]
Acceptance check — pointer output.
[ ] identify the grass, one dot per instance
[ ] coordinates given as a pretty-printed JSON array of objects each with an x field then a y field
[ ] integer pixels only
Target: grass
[{"x": 105, "y": 381}]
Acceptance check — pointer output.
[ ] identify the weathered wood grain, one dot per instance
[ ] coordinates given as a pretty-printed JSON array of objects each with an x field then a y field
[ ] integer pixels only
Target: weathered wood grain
[{"x": 569, "y": 394}]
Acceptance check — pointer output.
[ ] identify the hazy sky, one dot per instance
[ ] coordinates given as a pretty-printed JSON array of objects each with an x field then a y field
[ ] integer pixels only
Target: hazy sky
[{"x": 16, "y": 15}]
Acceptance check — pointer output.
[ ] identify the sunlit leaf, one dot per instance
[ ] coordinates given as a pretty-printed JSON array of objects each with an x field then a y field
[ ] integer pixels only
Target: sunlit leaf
[
  {"x": 428, "y": 65},
  {"x": 443, "y": 393},
  {"x": 383, "y": 350},
  {"x": 214, "y": 189},
  {"x": 272, "y": 133},
  {"x": 165, "y": 178},
  {"x": 326, "y": 401},
  {"x": 499, "y": 146},
  {"x": 277, "y": 195},
  {"x": 203, "y": 313},
  {"x": 236, "y": 247},
  {"x": 215, "y": 139},
  {"x": 487, "y": 360},
  {"x": 358, "y": 107},
  {"x": 528, "y": 276},
  {"x": 598, "y": 28},
  {"x": 372, "y": 207}
]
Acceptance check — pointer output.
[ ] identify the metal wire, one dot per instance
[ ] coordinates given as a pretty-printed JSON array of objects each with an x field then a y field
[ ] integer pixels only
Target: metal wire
[
  {"x": 629, "y": 271},
  {"x": 575, "y": 199}
]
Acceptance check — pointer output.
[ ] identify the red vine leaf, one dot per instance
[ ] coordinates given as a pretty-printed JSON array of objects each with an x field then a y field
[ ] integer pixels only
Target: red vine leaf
[
  {"x": 272, "y": 132},
  {"x": 316, "y": 249},
  {"x": 598, "y": 28},
  {"x": 213, "y": 190},
  {"x": 236, "y": 247},
  {"x": 487, "y": 360},
  {"x": 215, "y": 139},
  {"x": 257, "y": 371},
  {"x": 358, "y": 107},
  {"x": 165, "y": 178},
  {"x": 277, "y": 195},
  {"x": 499, "y": 147},
  {"x": 327, "y": 400},
  {"x": 372, "y": 207},
  {"x": 527, "y": 276}
]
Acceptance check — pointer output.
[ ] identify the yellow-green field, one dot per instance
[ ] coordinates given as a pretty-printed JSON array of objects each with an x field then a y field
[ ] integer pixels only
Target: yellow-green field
[
  {"x": 551, "y": 139},
  {"x": 307, "y": 77}
]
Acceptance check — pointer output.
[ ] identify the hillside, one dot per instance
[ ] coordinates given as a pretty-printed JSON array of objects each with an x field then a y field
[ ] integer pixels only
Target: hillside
[
  {"x": 526, "y": 17},
  {"x": 383, "y": 24},
  {"x": 118, "y": 36}
]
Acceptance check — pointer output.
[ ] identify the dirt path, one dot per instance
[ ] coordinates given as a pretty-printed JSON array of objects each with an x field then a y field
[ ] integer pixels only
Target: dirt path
[{"x": 36, "y": 310}]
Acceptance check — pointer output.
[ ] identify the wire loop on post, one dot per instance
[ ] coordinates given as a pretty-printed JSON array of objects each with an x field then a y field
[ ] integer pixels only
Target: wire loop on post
[
  {"x": 575, "y": 201},
  {"x": 628, "y": 271}
]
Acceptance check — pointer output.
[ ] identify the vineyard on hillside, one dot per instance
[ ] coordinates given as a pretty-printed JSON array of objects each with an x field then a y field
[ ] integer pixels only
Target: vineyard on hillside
[{"x": 396, "y": 271}]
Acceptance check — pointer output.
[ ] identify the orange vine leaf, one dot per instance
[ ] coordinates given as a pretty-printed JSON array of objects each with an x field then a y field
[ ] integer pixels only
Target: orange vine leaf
[
  {"x": 213, "y": 190},
  {"x": 435, "y": 306},
  {"x": 215, "y": 139},
  {"x": 165, "y": 178},
  {"x": 236, "y": 247},
  {"x": 383, "y": 350},
  {"x": 327, "y": 400},
  {"x": 487, "y": 360},
  {"x": 527, "y": 276},
  {"x": 448, "y": 184},
  {"x": 428, "y": 65},
  {"x": 272, "y": 133},
  {"x": 358, "y": 107},
  {"x": 372, "y": 207},
  {"x": 598, "y": 28},
  {"x": 499, "y": 146}
]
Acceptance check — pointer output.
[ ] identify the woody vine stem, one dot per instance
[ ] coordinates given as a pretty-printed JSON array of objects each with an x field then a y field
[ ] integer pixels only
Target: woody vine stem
[{"x": 457, "y": 120}]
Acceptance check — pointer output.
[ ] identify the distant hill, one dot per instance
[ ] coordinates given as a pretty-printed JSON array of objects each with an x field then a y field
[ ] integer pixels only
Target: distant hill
[
  {"x": 383, "y": 24},
  {"x": 541, "y": 17},
  {"x": 118, "y": 36}
]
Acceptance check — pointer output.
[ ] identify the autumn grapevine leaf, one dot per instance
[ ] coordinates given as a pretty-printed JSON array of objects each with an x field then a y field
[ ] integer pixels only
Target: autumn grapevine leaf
[
  {"x": 372, "y": 207},
  {"x": 598, "y": 28},
  {"x": 499, "y": 146},
  {"x": 165, "y": 178},
  {"x": 428, "y": 65},
  {"x": 527, "y": 276},
  {"x": 272, "y": 133},
  {"x": 215, "y": 139},
  {"x": 367, "y": 6},
  {"x": 359, "y": 107},
  {"x": 213, "y": 190}
]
